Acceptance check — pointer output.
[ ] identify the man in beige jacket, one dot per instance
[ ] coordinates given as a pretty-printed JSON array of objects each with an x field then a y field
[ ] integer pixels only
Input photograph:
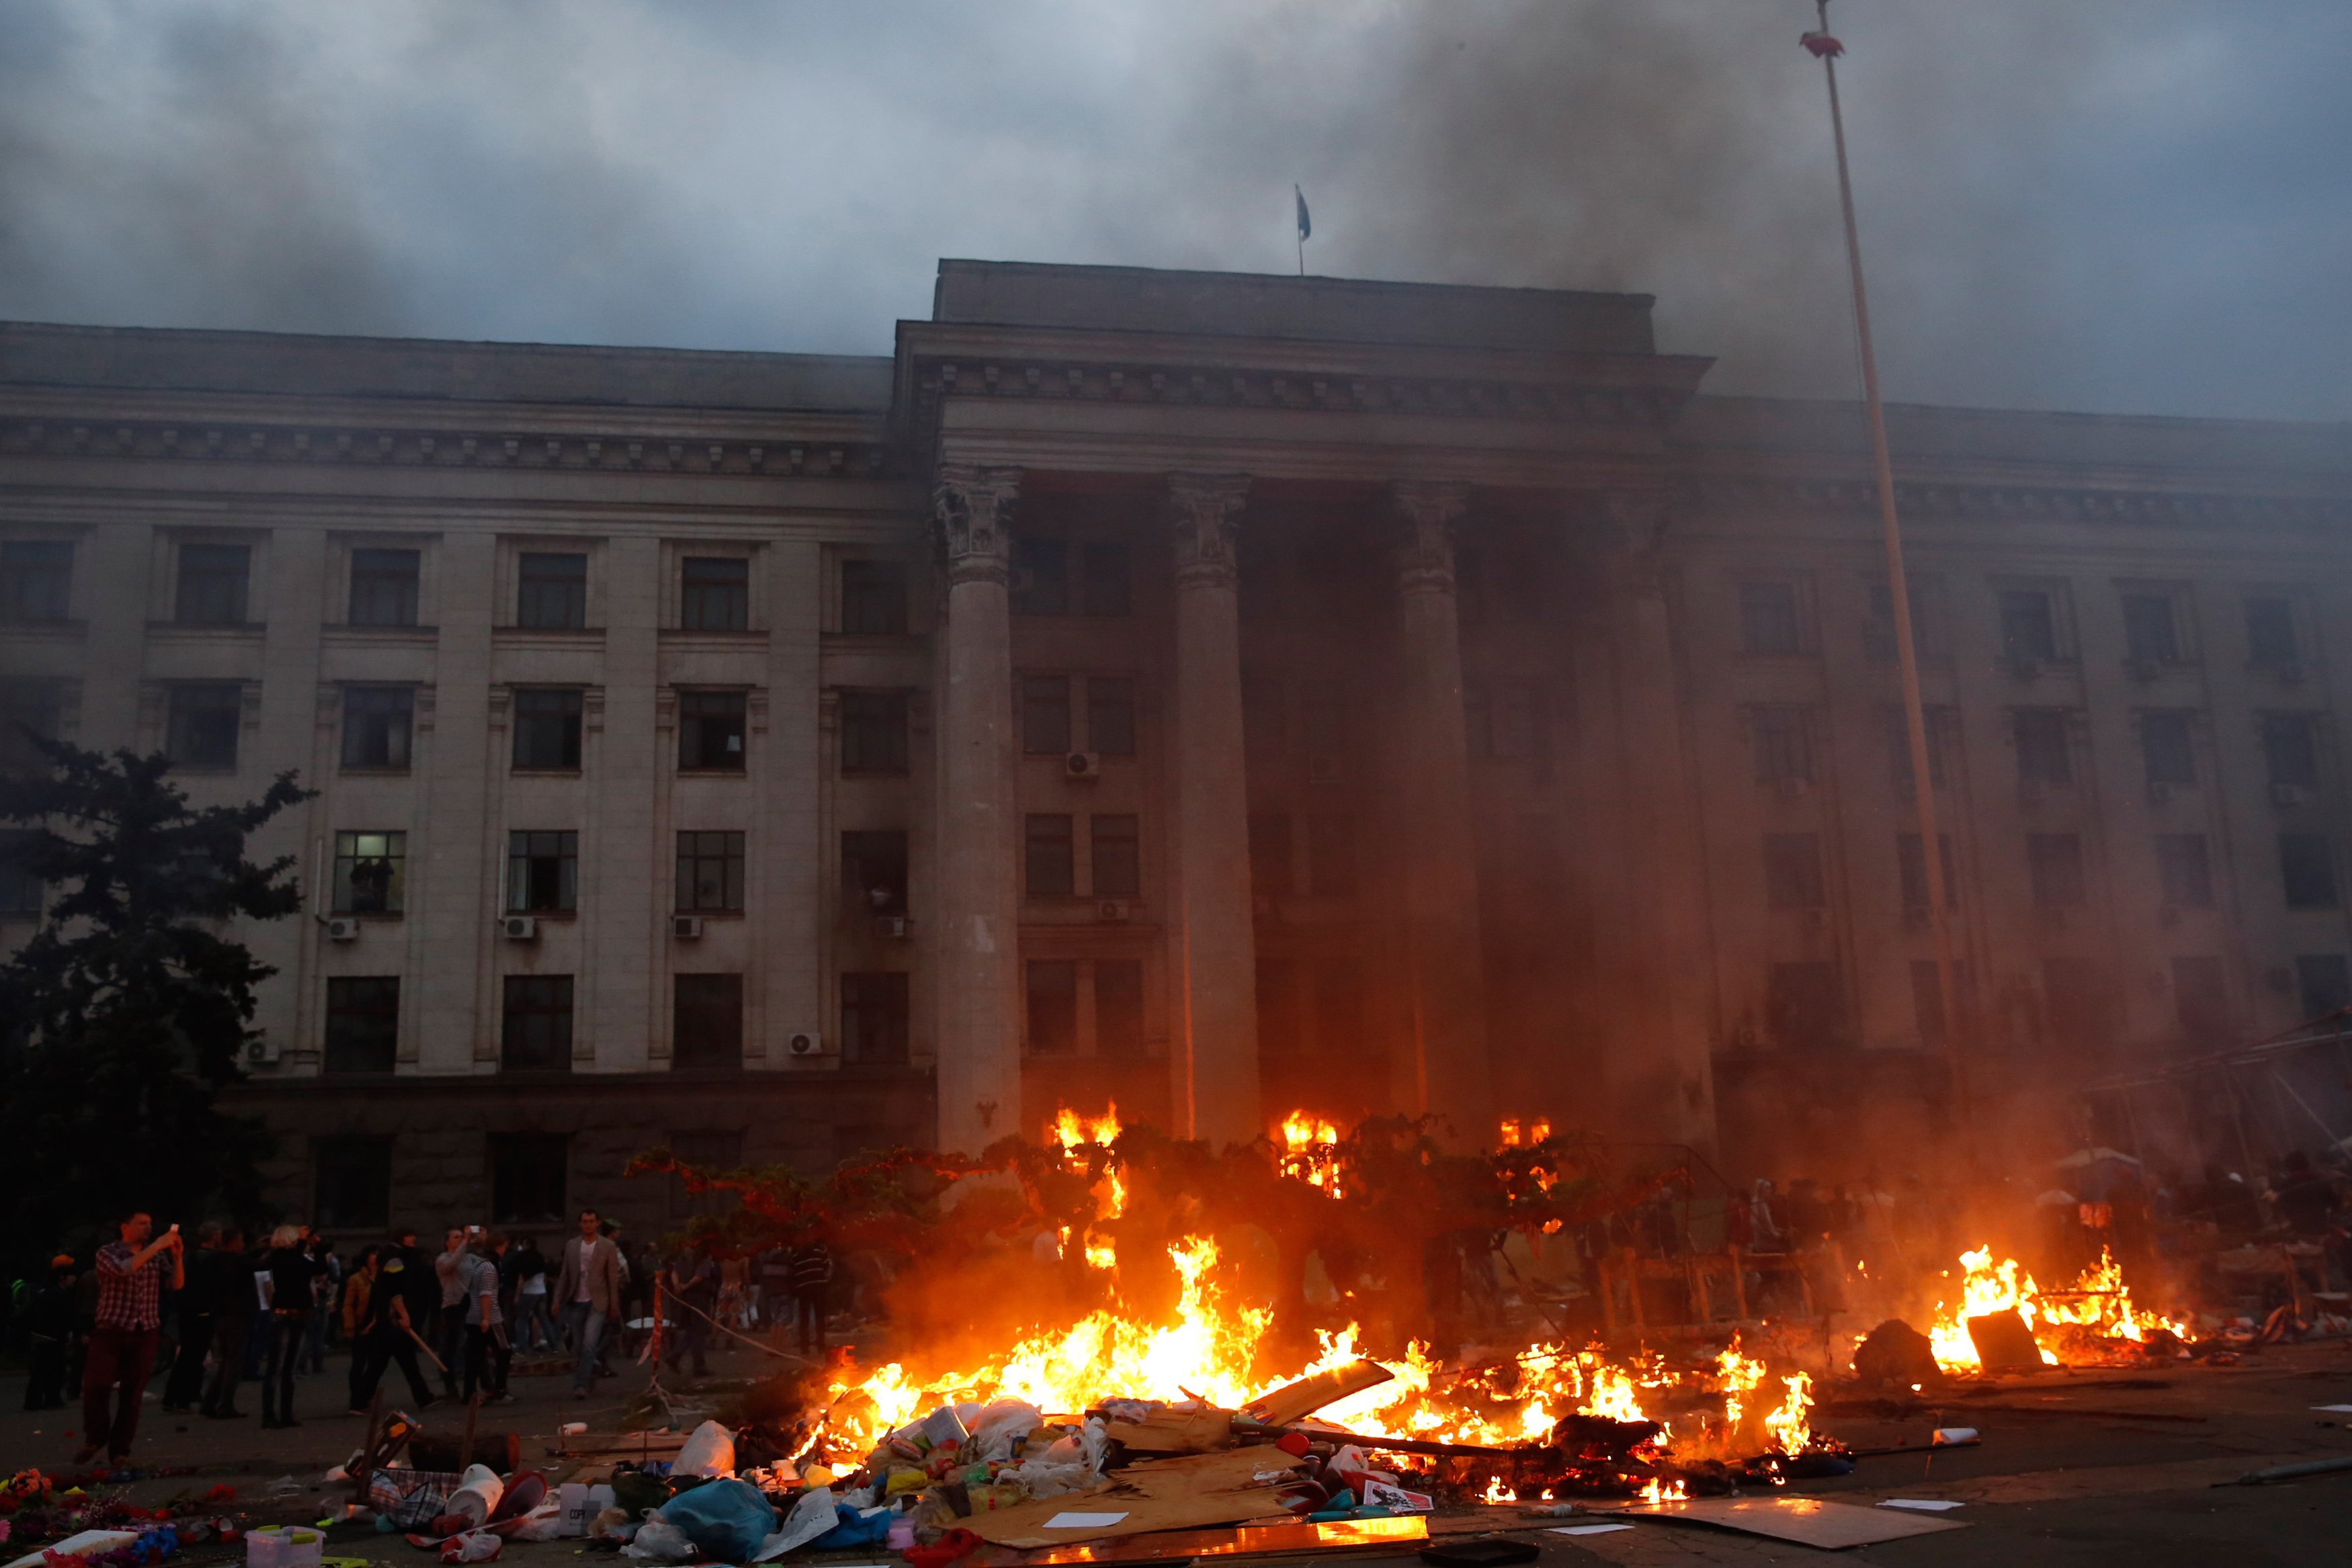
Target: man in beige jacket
[{"x": 588, "y": 1295}]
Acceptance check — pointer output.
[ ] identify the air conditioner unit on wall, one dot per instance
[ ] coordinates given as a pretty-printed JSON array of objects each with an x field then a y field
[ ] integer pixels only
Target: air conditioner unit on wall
[
  {"x": 519, "y": 928},
  {"x": 2158, "y": 792},
  {"x": 890, "y": 927},
  {"x": 342, "y": 928},
  {"x": 686, "y": 927},
  {"x": 259, "y": 1052},
  {"x": 810, "y": 1044},
  {"x": 1112, "y": 910},
  {"x": 1082, "y": 765}
]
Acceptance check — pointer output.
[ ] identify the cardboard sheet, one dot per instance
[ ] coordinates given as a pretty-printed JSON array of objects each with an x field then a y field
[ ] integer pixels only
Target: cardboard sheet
[
  {"x": 1309, "y": 1395},
  {"x": 1807, "y": 1521},
  {"x": 1292, "y": 1537},
  {"x": 1186, "y": 1493}
]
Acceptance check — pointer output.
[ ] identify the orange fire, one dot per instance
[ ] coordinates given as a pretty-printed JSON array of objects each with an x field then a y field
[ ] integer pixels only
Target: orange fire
[
  {"x": 1513, "y": 1133},
  {"x": 1307, "y": 1151},
  {"x": 1790, "y": 1426},
  {"x": 2099, "y": 1301}
]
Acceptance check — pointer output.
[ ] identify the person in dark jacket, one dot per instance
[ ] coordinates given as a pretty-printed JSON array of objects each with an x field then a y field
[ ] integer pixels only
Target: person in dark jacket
[
  {"x": 49, "y": 1327},
  {"x": 811, "y": 1293},
  {"x": 230, "y": 1290},
  {"x": 385, "y": 1335},
  {"x": 186, "y": 1384},
  {"x": 291, "y": 1273}
]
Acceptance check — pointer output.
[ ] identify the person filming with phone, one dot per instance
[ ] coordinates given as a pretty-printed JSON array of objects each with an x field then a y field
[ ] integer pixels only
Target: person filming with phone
[{"x": 131, "y": 1277}]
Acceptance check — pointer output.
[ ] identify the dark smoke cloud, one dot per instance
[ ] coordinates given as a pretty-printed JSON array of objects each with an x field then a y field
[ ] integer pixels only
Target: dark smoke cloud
[{"x": 2130, "y": 204}]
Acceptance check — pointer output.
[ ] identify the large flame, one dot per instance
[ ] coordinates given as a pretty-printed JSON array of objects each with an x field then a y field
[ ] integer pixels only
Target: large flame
[
  {"x": 2098, "y": 1302},
  {"x": 1308, "y": 1153}
]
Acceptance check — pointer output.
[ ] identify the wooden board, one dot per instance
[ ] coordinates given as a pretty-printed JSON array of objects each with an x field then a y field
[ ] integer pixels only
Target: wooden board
[
  {"x": 1807, "y": 1521},
  {"x": 1309, "y": 1395},
  {"x": 1186, "y": 1493},
  {"x": 1227, "y": 1470},
  {"x": 1356, "y": 1537},
  {"x": 1176, "y": 1432}
]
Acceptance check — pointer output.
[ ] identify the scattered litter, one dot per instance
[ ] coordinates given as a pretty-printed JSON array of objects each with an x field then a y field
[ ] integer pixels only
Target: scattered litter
[
  {"x": 1955, "y": 1437},
  {"x": 2335, "y": 1409},
  {"x": 1084, "y": 1521},
  {"x": 1585, "y": 1529},
  {"x": 1924, "y": 1504},
  {"x": 710, "y": 1451},
  {"x": 473, "y": 1546}
]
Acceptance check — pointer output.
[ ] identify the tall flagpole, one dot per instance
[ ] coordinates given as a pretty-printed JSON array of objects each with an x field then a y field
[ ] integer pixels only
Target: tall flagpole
[{"x": 1915, "y": 716}]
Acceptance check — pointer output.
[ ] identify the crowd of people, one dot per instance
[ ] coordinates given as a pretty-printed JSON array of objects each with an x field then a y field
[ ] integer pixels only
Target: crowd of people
[{"x": 208, "y": 1318}]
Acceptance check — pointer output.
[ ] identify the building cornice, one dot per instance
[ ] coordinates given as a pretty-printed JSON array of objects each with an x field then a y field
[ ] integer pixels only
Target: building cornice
[{"x": 2031, "y": 502}]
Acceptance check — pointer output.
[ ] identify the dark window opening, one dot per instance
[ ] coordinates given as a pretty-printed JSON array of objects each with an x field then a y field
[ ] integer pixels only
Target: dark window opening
[
  {"x": 1783, "y": 750},
  {"x": 2028, "y": 626},
  {"x": 2055, "y": 861},
  {"x": 1041, "y": 577},
  {"x": 1804, "y": 1007},
  {"x": 710, "y": 731},
  {"x": 874, "y": 870},
  {"x": 874, "y": 1018},
  {"x": 1913, "y": 870},
  {"x": 536, "y": 1024},
  {"x": 1269, "y": 847},
  {"x": 874, "y": 598},
  {"x": 2168, "y": 749},
  {"x": 1053, "y": 998},
  {"x": 1793, "y": 872},
  {"x": 371, "y": 874},
  {"x": 1768, "y": 618},
  {"x": 2185, "y": 870},
  {"x": 362, "y": 1033},
  {"x": 353, "y": 1190},
  {"x": 2323, "y": 982},
  {"x": 378, "y": 723},
  {"x": 529, "y": 1175},
  {"x": 2151, "y": 631},
  {"x": 542, "y": 873},
  {"x": 1044, "y": 715},
  {"x": 547, "y": 730},
  {"x": 1116, "y": 854},
  {"x": 714, "y": 593},
  {"x": 2271, "y": 642},
  {"x": 1105, "y": 586},
  {"x": 710, "y": 872},
  {"x": 2307, "y": 867},
  {"x": 36, "y": 579},
  {"x": 1110, "y": 715},
  {"x": 212, "y": 585},
  {"x": 873, "y": 732},
  {"x": 707, "y": 1021},
  {"x": 1118, "y": 1008},
  {"x": 2200, "y": 1001},
  {"x": 2043, "y": 753},
  {"x": 552, "y": 593},
  {"x": 383, "y": 587},
  {"x": 1051, "y": 856},
  {"x": 30, "y": 711},
  {"x": 204, "y": 725},
  {"x": 2290, "y": 747}
]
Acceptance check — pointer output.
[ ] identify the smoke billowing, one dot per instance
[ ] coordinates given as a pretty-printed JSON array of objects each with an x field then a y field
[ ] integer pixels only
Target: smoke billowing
[{"x": 2128, "y": 204}]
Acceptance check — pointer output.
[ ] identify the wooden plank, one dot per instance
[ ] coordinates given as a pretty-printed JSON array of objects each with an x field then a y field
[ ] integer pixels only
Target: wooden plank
[{"x": 1309, "y": 1395}]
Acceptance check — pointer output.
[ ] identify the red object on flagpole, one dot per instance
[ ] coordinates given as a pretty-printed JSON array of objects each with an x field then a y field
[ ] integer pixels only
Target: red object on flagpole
[{"x": 1822, "y": 45}]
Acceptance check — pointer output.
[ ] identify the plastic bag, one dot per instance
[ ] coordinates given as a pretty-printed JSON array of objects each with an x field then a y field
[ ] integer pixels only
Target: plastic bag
[
  {"x": 709, "y": 1450},
  {"x": 473, "y": 1546},
  {"x": 811, "y": 1516},
  {"x": 544, "y": 1522},
  {"x": 659, "y": 1540},
  {"x": 999, "y": 1426},
  {"x": 852, "y": 1528},
  {"x": 726, "y": 1519}
]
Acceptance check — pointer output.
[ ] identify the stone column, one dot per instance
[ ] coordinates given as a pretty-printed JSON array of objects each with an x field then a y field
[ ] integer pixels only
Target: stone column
[
  {"x": 1446, "y": 963},
  {"x": 978, "y": 941},
  {"x": 1214, "y": 953}
]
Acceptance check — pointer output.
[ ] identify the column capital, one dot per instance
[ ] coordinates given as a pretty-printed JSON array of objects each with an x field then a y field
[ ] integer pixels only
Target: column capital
[
  {"x": 1205, "y": 525},
  {"x": 972, "y": 509},
  {"x": 1422, "y": 515}
]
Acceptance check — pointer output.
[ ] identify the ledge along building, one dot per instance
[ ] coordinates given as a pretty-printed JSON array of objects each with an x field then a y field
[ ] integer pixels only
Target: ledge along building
[{"x": 1215, "y": 693}]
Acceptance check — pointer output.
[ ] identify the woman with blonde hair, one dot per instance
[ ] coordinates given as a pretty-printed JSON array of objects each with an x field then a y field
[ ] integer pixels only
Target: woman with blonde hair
[{"x": 287, "y": 1272}]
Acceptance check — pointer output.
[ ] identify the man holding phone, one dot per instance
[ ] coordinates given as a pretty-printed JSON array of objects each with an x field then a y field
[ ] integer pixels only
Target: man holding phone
[{"x": 131, "y": 1275}]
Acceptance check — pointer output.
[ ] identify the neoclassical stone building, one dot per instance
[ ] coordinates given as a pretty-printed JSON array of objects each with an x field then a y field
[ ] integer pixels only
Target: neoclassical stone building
[{"x": 1218, "y": 693}]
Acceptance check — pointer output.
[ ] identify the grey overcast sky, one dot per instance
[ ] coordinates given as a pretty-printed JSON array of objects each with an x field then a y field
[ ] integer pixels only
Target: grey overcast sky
[{"x": 2135, "y": 205}]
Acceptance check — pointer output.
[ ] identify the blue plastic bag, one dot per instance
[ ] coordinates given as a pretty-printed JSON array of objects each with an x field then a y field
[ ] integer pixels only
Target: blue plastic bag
[
  {"x": 855, "y": 1530},
  {"x": 725, "y": 1519}
]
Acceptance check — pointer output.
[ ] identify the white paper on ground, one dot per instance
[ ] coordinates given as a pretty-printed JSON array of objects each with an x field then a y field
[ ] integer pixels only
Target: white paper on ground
[
  {"x": 1924, "y": 1504},
  {"x": 811, "y": 1516},
  {"x": 2335, "y": 1409},
  {"x": 1084, "y": 1521},
  {"x": 1586, "y": 1529}
]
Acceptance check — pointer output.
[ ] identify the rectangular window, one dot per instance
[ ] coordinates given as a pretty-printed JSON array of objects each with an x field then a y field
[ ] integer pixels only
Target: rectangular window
[
  {"x": 1768, "y": 618},
  {"x": 30, "y": 712},
  {"x": 2080, "y": 999},
  {"x": 1110, "y": 715},
  {"x": 1269, "y": 847},
  {"x": 203, "y": 726},
  {"x": 2324, "y": 983},
  {"x": 2168, "y": 749},
  {"x": 535, "y": 1025},
  {"x": 530, "y": 1177},
  {"x": 2200, "y": 1001},
  {"x": 874, "y": 598},
  {"x": 2028, "y": 626},
  {"x": 371, "y": 874},
  {"x": 542, "y": 873},
  {"x": 1913, "y": 870},
  {"x": 383, "y": 587},
  {"x": 873, "y": 732},
  {"x": 2043, "y": 753},
  {"x": 1051, "y": 855},
  {"x": 714, "y": 593},
  {"x": 1783, "y": 749},
  {"x": 1793, "y": 872},
  {"x": 2271, "y": 642},
  {"x": 36, "y": 579},
  {"x": 1044, "y": 715},
  {"x": 1941, "y": 722},
  {"x": 1118, "y": 1008},
  {"x": 2055, "y": 861},
  {"x": 547, "y": 729},
  {"x": 874, "y": 871},
  {"x": 710, "y": 872},
  {"x": 1804, "y": 1006},
  {"x": 552, "y": 591},
  {"x": 710, "y": 731},
  {"x": 2290, "y": 747},
  {"x": 2186, "y": 870},
  {"x": 707, "y": 1021},
  {"x": 1331, "y": 856},
  {"x": 212, "y": 585},
  {"x": 354, "y": 1183},
  {"x": 1103, "y": 566},
  {"x": 377, "y": 724},
  {"x": 22, "y": 892},
  {"x": 1041, "y": 577},
  {"x": 1927, "y": 998},
  {"x": 363, "y": 1024},
  {"x": 1053, "y": 988},
  {"x": 1117, "y": 853},
  {"x": 2307, "y": 867},
  {"x": 874, "y": 1019},
  {"x": 2151, "y": 634}
]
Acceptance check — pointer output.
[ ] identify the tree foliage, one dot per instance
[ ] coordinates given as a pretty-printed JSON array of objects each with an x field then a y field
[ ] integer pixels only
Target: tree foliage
[{"x": 131, "y": 1007}]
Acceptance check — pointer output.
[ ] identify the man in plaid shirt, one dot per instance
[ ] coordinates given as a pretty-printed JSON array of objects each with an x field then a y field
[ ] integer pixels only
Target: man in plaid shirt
[{"x": 122, "y": 1346}]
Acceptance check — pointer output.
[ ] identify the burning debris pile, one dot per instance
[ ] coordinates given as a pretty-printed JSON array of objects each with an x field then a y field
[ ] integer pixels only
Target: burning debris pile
[{"x": 2090, "y": 1322}]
